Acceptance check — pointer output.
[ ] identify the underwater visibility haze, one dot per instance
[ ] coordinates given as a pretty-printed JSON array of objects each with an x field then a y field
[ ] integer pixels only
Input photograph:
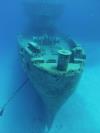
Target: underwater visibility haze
[{"x": 33, "y": 34}]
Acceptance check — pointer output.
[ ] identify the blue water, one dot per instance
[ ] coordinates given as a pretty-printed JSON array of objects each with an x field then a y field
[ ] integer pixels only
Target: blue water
[{"x": 25, "y": 113}]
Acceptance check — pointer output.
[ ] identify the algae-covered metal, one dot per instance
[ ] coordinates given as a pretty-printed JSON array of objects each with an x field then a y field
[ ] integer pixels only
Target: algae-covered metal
[
  {"x": 53, "y": 62},
  {"x": 54, "y": 69}
]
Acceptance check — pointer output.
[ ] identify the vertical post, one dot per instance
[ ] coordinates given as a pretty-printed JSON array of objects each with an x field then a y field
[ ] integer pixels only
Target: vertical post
[{"x": 63, "y": 59}]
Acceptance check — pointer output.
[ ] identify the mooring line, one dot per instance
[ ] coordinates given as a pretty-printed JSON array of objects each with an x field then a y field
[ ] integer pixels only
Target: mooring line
[{"x": 12, "y": 96}]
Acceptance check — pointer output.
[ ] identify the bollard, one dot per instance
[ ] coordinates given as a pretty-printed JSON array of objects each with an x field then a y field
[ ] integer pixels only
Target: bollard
[
  {"x": 78, "y": 52},
  {"x": 63, "y": 59}
]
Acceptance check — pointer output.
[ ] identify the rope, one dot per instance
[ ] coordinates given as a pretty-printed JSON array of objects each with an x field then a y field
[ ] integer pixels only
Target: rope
[{"x": 12, "y": 97}]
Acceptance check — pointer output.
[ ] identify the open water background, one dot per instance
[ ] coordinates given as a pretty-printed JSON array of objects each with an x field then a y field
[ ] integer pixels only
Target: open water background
[{"x": 25, "y": 113}]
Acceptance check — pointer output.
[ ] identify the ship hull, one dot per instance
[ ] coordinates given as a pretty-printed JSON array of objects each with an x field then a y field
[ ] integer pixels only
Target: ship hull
[
  {"x": 53, "y": 89},
  {"x": 54, "y": 73}
]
